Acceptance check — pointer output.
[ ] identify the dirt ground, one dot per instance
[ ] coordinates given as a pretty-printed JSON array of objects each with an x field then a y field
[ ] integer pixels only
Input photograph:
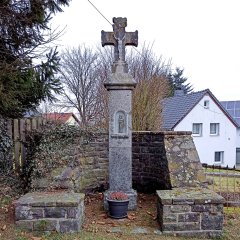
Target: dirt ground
[
  {"x": 96, "y": 219},
  {"x": 97, "y": 224}
]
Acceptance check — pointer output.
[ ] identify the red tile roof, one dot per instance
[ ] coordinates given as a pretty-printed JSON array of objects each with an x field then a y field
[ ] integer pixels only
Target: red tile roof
[{"x": 60, "y": 117}]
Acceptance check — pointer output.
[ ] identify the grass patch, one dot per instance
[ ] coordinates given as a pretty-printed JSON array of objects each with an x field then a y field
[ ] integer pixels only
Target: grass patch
[
  {"x": 5, "y": 200},
  {"x": 219, "y": 170}
]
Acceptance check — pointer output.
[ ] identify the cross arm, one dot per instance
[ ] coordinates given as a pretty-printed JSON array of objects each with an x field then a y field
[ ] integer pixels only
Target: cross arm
[
  {"x": 108, "y": 38},
  {"x": 131, "y": 38}
]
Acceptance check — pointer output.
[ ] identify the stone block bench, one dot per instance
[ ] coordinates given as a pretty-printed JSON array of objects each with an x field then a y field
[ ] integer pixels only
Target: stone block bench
[
  {"x": 53, "y": 211},
  {"x": 190, "y": 212}
]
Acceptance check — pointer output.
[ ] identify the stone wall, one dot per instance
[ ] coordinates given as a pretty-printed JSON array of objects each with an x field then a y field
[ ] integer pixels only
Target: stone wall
[
  {"x": 155, "y": 163},
  {"x": 150, "y": 167},
  {"x": 81, "y": 164}
]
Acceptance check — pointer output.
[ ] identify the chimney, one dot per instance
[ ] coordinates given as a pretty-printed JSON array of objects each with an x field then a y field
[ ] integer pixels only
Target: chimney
[{"x": 178, "y": 92}]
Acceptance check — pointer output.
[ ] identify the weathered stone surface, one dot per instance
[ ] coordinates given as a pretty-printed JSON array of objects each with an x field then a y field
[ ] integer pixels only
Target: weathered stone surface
[
  {"x": 150, "y": 166},
  {"x": 178, "y": 208},
  {"x": 120, "y": 169},
  {"x": 69, "y": 226},
  {"x": 25, "y": 225},
  {"x": 170, "y": 218},
  {"x": 61, "y": 212},
  {"x": 180, "y": 212},
  {"x": 73, "y": 212},
  {"x": 26, "y": 212},
  {"x": 183, "y": 161},
  {"x": 120, "y": 86},
  {"x": 87, "y": 166},
  {"x": 201, "y": 208},
  {"x": 180, "y": 227},
  {"x": 50, "y": 199},
  {"x": 212, "y": 222},
  {"x": 55, "y": 212},
  {"x": 189, "y": 217},
  {"x": 45, "y": 225},
  {"x": 190, "y": 196}
]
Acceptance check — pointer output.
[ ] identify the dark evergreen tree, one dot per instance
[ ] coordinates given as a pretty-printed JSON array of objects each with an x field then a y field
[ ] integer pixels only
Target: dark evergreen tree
[
  {"x": 178, "y": 81},
  {"x": 24, "y": 35}
]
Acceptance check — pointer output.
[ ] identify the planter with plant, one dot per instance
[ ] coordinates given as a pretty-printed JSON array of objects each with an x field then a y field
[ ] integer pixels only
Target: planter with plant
[{"x": 118, "y": 204}]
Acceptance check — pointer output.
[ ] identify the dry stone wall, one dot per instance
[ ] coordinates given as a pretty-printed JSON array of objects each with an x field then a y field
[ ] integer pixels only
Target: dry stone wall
[{"x": 155, "y": 156}]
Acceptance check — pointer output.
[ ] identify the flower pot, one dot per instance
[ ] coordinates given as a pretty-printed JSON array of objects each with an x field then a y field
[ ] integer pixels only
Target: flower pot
[{"x": 118, "y": 208}]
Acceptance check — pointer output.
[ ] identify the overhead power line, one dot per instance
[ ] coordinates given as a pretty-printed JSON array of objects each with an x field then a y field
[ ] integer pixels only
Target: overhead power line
[{"x": 110, "y": 22}]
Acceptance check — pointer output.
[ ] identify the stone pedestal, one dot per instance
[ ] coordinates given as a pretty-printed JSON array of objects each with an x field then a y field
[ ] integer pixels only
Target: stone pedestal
[
  {"x": 120, "y": 86},
  {"x": 190, "y": 212},
  {"x": 50, "y": 212}
]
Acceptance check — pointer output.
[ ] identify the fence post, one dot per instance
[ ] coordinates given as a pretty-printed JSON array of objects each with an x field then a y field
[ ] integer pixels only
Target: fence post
[
  {"x": 22, "y": 140},
  {"x": 16, "y": 145}
]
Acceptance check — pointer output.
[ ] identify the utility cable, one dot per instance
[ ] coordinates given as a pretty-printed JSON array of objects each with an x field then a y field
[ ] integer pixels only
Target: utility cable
[
  {"x": 109, "y": 22},
  {"x": 99, "y": 12}
]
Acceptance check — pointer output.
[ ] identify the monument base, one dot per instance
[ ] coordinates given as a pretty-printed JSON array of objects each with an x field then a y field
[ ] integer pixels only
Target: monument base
[
  {"x": 132, "y": 196},
  {"x": 190, "y": 212}
]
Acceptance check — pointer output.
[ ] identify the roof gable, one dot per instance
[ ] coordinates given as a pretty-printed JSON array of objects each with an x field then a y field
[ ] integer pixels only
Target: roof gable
[{"x": 176, "y": 108}]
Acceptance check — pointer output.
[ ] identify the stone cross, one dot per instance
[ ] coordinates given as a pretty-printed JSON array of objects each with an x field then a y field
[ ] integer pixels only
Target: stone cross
[
  {"x": 119, "y": 38},
  {"x": 120, "y": 85}
]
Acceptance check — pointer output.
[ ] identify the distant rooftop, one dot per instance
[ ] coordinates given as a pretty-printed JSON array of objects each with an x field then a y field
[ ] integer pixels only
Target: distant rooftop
[{"x": 60, "y": 117}]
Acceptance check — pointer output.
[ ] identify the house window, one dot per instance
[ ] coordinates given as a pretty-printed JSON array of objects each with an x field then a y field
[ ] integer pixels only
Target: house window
[
  {"x": 197, "y": 129},
  {"x": 219, "y": 157},
  {"x": 214, "y": 128},
  {"x": 206, "y": 104}
]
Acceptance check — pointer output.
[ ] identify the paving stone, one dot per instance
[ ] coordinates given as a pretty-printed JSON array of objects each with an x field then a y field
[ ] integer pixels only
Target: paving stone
[
  {"x": 157, "y": 232},
  {"x": 139, "y": 230},
  {"x": 116, "y": 230}
]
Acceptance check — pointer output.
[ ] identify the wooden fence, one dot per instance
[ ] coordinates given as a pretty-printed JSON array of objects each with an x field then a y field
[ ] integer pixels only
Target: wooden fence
[
  {"x": 17, "y": 129},
  {"x": 226, "y": 182}
]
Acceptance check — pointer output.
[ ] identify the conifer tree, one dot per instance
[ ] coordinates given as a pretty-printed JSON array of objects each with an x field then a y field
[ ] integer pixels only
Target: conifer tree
[
  {"x": 25, "y": 78},
  {"x": 178, "y": 81}
]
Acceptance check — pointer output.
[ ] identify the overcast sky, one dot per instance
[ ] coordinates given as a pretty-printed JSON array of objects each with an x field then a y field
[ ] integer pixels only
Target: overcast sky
[{"x": 202, "y": 36}]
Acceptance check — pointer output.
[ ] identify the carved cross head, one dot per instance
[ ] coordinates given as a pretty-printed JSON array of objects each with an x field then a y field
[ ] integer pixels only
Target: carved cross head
[{"x": 119, "y": 38}]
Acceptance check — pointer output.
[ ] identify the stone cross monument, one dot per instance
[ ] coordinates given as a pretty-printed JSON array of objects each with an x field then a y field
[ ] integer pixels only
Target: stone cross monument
[{"x": 120, "y": 86}]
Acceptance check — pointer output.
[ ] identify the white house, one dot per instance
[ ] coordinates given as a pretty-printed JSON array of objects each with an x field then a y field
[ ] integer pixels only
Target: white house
[{"x": 215, "y": 132}]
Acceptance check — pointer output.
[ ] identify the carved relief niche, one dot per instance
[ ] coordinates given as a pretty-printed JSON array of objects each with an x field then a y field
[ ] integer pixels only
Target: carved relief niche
[{"x": 120, "y": 122}]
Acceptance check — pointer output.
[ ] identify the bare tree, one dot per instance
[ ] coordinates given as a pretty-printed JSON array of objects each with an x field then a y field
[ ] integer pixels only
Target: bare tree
[
  {"x": 84, "y": 73},
  {"x": 79, "y": 76},
  {"x": 147, "y": 107},
  {"x": 151, "y": 73},
  {"x": 49, "y": 107}
]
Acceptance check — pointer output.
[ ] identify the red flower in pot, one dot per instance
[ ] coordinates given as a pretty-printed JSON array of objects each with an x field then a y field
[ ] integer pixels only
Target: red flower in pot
[{"x": 118, "y": 204}]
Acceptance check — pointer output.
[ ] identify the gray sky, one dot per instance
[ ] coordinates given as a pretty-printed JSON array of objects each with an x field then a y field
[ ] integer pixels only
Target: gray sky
[{"x": 202, "y": 36}]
